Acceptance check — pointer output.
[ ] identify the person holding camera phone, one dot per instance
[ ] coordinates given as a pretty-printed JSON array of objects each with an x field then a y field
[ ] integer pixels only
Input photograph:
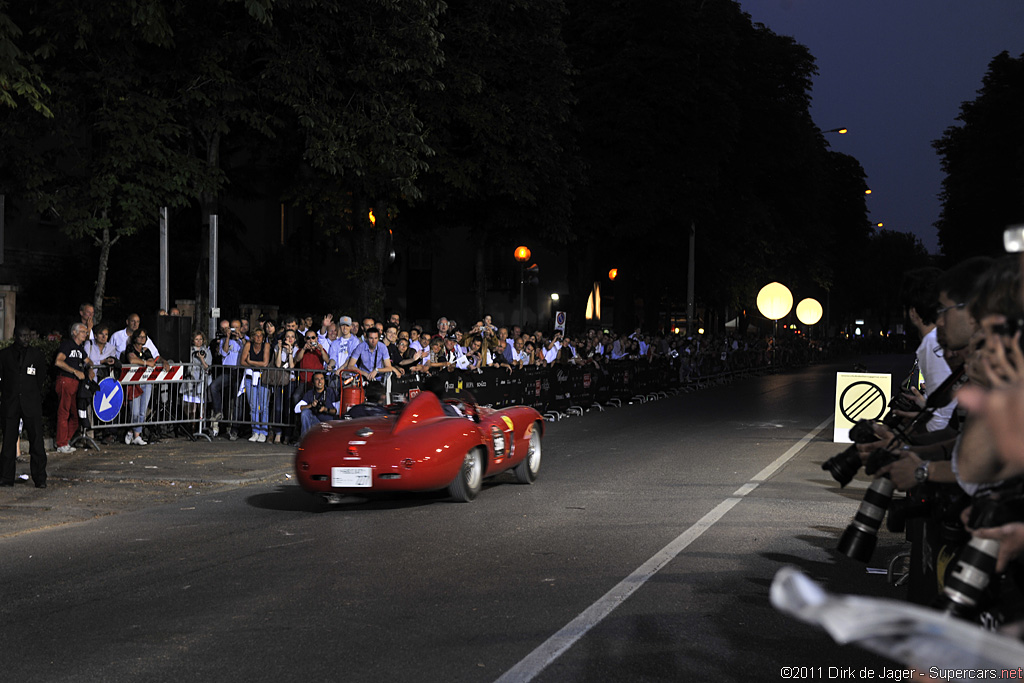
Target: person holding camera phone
[{"x": 283, "y": 383}]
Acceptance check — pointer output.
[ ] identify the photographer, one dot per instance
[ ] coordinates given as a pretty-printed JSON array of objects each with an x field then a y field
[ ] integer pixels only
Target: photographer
[
  {"x": 200, "y": 360},
  {"x": 229, "y": 349},
  {"x": 319, "y": 404},
  {"x": 312, "y": 355}
]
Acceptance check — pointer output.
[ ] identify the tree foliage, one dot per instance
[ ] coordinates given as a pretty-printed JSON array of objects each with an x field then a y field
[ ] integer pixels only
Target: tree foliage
[
  {"x": 606, "y": 124},
  {"x": 690, "y": 113},
  {"x": 983, "y": 158}
]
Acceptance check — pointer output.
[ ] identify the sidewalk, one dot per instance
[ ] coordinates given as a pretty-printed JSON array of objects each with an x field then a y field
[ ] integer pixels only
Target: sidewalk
[{"x": 118, "y": 478}]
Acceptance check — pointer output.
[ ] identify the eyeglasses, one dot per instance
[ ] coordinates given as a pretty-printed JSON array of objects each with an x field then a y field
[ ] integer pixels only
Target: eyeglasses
[
  {"x": 939, "y": 312},
  {"x": 311, "y": 338}
]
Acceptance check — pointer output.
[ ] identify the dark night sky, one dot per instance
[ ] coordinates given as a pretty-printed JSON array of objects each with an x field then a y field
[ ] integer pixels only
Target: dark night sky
[{"x": 895, "y": 72}]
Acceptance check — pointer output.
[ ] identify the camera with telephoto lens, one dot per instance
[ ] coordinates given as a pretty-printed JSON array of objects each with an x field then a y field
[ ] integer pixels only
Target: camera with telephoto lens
[
  {"x": 861, "y": 536},
  {"x": 844, "y": 466},
  {"x": 966, "y": 592}
]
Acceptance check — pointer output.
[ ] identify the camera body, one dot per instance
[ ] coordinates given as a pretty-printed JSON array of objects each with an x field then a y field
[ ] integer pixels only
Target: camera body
[{"x": 844, "y": 466}]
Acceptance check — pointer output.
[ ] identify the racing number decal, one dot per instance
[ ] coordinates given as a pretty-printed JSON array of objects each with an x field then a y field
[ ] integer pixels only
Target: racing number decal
[{"x": 498, "y": 439}]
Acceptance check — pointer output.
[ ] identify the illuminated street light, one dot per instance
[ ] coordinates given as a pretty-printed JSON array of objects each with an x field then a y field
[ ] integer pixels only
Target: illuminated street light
[
  {"x": 808, "y": 311},
  {"x": 841, "y": 131},
  {"x": 867, "y": 191},
  {"x": 613, "y": 273},
  {"x": 522, "y": 254},
  {"x": 774, "y": 301},
  {"x": 554, "y": 296}
]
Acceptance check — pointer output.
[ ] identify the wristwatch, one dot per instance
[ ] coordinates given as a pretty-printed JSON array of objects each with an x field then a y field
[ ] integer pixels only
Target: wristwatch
[{"x": 921, "y": 473}]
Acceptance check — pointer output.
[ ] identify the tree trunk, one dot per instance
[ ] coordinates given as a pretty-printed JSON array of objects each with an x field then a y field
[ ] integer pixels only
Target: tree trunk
[
  {"x": 369, "y": 242},
  {"x": 105, "y": 243}
]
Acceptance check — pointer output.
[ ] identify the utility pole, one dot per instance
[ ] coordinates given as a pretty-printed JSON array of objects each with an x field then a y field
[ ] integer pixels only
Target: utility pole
[{"x": 690, "y": 307}]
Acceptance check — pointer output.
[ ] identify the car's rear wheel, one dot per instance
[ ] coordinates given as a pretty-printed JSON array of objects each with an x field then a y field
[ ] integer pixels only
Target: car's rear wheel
[
  {"x": 470, "y": 478},
  {"x": 526, "y": 471}
]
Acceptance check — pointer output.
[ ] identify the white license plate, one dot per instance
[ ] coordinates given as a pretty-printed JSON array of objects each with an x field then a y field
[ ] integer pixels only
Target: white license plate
[{"x": 351, "y": 477}]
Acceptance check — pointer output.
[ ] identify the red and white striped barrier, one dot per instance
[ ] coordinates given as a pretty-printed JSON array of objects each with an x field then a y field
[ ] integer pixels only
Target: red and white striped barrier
[{"x": 151, "y": 374}]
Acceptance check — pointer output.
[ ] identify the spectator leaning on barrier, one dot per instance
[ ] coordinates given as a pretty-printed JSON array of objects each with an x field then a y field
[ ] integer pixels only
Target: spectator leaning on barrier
[
  {"x": 22, "y": 370},
  {"x": 71, "y": 367},
  {"x": 101, "y": 353},
  {"x": 138, "y": 353},
  {"x": 409, "y": 360},
  {"x": 390, "y": 338},
  {"x": 371, "y": 359},
  {"x": 318, "y": 404}
]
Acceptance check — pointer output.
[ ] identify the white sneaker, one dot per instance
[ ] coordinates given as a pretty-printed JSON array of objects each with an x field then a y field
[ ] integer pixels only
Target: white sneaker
[
  {"x": 254, "y": 438},
  {"x": 262, "y": 439},
  {"x": 138, "y": 441},
  {"x": 65, "y": 449},
  {"x": 128, "y": 438}
]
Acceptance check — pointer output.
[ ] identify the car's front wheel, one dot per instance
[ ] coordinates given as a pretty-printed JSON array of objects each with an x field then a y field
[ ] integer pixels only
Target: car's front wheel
[
  {"x": 526, "y": 471},
  {"x": 470, "y": 478}
]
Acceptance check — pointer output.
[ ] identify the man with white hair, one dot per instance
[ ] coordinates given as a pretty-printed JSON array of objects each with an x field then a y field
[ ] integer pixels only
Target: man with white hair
[{"x": 71, "y": 366}]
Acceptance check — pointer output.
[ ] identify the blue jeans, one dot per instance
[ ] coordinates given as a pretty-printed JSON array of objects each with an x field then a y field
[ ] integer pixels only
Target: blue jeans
[
  {"x": 140, "y": 404},
  {"x": 259, "y": 400}
]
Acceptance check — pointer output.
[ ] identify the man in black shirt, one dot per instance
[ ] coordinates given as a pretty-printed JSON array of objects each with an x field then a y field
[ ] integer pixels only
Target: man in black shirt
[
  {"x": 22, "y": 369},
  {"x": 70, "y": 365}
]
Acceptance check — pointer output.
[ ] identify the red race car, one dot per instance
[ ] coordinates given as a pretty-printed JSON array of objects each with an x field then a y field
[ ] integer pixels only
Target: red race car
[{"x": 423, "y": 446}]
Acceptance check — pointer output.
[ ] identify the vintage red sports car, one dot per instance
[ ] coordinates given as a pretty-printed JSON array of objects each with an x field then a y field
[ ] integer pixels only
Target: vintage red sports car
[{"x": 421, "y": 448}]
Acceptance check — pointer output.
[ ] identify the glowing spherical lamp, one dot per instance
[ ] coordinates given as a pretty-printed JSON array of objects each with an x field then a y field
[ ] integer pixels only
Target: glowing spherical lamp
[
  {"x": 808, "y": 311},
  {"x": 774, "y": 301},
  {"x": 522, "y": 254}
]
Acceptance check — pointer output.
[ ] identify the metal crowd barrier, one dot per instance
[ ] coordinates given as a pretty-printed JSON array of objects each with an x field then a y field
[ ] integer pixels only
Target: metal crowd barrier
[
  {"x": 166, "y": 400},
  {"x": 194, "y": 402}
]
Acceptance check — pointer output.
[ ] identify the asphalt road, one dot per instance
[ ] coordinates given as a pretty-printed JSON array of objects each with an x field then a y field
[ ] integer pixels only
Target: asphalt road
[{"x": 251, "y": 585}]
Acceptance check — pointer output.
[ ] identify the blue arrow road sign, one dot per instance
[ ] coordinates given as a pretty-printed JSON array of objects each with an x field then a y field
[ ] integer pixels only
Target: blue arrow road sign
[{"x": 107, "y": 401}]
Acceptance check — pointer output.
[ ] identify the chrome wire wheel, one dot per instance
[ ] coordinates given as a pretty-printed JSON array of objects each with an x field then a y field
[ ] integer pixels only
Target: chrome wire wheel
[
  {"x": 472, "y": 470},
  {"x": 469, "y": 479},
  {"x": 526, "y": 471}
]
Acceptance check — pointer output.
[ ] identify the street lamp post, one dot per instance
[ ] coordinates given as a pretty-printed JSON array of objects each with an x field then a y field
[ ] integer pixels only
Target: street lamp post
[
  {"x": 775, "y": 301},
  {"x": 522, "y": 254}
]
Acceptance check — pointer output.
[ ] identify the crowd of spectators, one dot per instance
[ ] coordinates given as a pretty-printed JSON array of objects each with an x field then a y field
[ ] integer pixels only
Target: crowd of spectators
[{"x": 263, "y": 374}]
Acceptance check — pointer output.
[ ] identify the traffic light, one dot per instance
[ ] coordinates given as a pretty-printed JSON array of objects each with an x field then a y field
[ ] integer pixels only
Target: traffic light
[{"x": 533, "y": 274}]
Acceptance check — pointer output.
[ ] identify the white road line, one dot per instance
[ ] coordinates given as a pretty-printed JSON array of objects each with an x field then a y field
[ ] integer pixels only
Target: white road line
[{"x": 530, "y": 666}]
